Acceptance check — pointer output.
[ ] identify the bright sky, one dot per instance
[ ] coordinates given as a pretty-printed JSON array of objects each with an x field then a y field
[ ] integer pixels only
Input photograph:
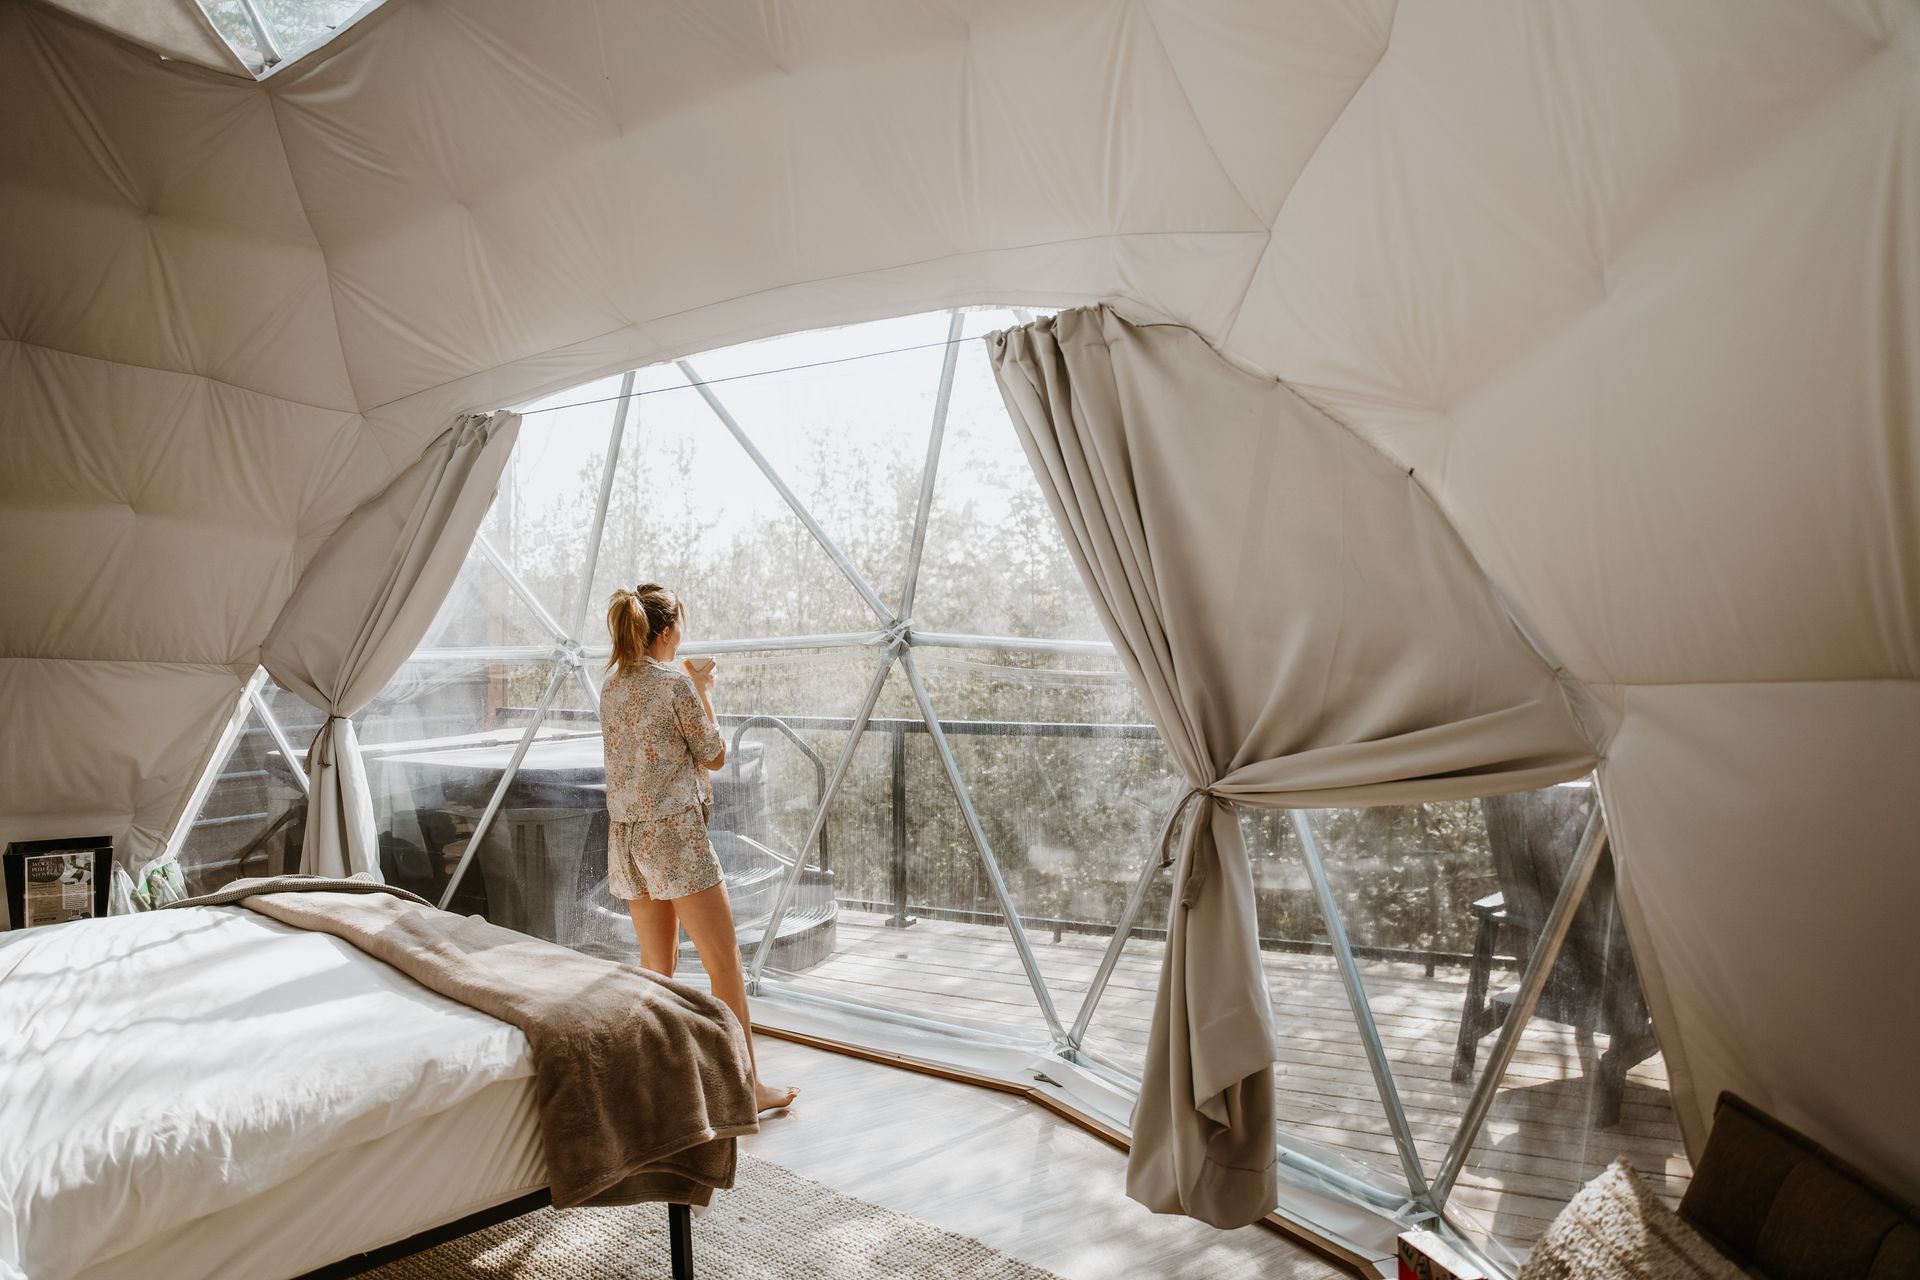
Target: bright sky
[{"x": 880, "y": 407}]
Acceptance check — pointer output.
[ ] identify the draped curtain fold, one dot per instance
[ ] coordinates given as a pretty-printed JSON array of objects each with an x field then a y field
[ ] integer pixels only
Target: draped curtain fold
[
  {"x": 361, "y": 608},
  {"x": 1307, "y": 630}
]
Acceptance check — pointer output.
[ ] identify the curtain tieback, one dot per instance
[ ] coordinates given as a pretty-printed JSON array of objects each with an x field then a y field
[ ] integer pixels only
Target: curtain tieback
[
  {"x": 317, "y": 749},
  {"x": 1196, "y": 878},
  {"x": 1173, "y": 820}
]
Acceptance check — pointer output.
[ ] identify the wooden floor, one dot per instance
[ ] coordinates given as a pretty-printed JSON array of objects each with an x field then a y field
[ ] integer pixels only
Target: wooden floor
[
  {"x": 995, "y": 1167},
  {"x": 1537, "y": 1147}
]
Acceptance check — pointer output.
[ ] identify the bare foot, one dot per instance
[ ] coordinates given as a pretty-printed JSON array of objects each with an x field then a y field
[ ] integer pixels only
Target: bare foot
[{"x": 774, "y": 1097}]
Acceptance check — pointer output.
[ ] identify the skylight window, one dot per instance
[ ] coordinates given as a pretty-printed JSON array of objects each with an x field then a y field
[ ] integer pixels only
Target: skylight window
[{"x": 269, "y": 34}]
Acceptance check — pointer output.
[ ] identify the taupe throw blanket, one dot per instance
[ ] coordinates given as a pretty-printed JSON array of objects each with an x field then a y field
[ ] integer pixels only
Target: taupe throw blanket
[{"x": 642, "y": 1084}]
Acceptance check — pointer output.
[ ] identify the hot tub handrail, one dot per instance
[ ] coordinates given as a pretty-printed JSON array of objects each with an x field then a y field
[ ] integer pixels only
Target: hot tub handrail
[{"x": 819, "y": 765}]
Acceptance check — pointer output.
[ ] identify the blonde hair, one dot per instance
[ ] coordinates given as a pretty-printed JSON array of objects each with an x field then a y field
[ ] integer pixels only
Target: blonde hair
[{"x": 635, "y": 617}]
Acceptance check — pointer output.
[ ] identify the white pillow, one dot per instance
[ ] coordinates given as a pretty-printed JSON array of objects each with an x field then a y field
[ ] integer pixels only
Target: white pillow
[{"x": 1614, "y": 1229}]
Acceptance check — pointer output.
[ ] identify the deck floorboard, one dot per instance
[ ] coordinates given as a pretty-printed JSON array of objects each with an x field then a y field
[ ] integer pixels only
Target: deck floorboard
[{"x": 1537, "y": 1147}]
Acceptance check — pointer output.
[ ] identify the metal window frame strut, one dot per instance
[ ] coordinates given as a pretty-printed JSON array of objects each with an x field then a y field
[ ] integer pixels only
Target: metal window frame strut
[
  {"x": 767, "y": 469},
  {"x": 1123, "y": 929},
  {"x": 1362, "y": 1011},
  {"x": 841, "y": 765},
  {"x": 1021, "y": 944},
  {"x": 223, "y": 749},
  {"x": 1533, "y": 980},
  {"x": 936, "y": 441},
  {"x": 494, "y": 801},
  {"x": 520, "y": 588},
  {"x": 269, "y": 47},
  {"x": 256, "y": 693},
  {"x": 609, "y": 471}
]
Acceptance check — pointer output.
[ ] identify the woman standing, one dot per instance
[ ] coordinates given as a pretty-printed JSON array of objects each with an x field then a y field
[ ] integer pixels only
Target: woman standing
[{"x": 661, "y": 742}]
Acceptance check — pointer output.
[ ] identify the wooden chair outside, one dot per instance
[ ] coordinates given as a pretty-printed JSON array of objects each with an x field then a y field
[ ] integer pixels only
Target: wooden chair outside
[{"x": 1593, "y": 986}]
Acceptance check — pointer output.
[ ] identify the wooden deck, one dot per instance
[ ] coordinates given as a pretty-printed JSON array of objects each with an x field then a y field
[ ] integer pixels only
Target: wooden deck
[{"x": 1536, "y": 1148}]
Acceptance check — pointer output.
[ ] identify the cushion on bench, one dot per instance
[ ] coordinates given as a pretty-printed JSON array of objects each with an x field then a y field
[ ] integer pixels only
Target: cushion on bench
[{"x": 1776, "y": 1201}]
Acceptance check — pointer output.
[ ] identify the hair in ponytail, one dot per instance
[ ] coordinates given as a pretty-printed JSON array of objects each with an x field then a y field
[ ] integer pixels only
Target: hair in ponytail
[{"x": 635, "y": 617}]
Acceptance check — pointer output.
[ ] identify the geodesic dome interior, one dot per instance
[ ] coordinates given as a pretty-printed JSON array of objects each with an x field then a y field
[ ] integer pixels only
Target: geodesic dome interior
[{"x": 1629, "y": 290}]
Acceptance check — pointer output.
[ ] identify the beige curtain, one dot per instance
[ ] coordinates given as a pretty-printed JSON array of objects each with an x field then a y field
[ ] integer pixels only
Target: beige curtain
[
  {"x": 1307, "y": 630},
  {"x": 362, "y": 606}
]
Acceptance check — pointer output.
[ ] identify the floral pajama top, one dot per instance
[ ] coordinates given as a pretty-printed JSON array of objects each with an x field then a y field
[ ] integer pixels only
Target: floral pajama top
[{"x": 657, "y": 736}]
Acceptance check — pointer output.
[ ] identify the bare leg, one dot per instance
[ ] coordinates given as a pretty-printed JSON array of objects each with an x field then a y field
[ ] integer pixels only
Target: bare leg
[
  {"x": 658, "y": 928},
  {"x": 709, "y": 920}
]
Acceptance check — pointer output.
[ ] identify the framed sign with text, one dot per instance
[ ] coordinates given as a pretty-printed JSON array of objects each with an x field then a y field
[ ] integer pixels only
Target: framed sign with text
[{"x": 54, "y": 881}]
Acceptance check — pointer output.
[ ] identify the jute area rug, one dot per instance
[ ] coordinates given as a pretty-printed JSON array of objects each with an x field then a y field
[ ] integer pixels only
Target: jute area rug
[{"x": 773, "y": 1225}]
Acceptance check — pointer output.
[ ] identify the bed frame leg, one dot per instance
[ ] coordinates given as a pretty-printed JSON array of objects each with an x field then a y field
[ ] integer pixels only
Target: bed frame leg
[{"x": 680, "y": 1229}]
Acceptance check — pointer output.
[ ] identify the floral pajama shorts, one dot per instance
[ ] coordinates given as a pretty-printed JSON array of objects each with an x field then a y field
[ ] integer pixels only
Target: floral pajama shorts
[{"x": 663, "y": 858}]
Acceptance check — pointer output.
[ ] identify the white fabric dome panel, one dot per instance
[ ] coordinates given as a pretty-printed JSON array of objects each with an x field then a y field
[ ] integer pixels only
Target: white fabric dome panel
[
  {"x": 175, "y": 30},
  {"x": 106, "y": 748},
  {"x": 1266, "y": 79},
  {"x": 1725, "y": 501},
  {"x": 1765, "y": 837},
  {"x": 1643, "y": 341},
  {"x": 166, "y": 227},
  {"x": 157, "y": 515},
  {"x": 446, "y": 244}
]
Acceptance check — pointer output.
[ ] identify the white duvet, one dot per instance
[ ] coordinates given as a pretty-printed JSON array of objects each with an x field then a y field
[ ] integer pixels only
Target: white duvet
[{"x": 157, "y": 1067}]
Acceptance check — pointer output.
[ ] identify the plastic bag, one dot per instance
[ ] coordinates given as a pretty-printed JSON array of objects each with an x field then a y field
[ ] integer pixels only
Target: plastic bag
[
  {"x": 163, "y": 883},
  {"x": 120, "y": 892}
]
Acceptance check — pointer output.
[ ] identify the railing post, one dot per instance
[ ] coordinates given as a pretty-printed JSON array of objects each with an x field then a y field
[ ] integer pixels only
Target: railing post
[{"x": 900, "y": 918}]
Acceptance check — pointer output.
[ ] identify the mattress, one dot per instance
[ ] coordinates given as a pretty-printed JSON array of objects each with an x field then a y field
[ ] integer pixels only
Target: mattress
[
  {"x": 474, "y": 1155},
  {"x": 210, "y": 1093}
]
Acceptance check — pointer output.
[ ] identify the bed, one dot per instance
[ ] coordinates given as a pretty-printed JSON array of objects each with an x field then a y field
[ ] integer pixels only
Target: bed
[{"x": 213, "y": 1093}]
